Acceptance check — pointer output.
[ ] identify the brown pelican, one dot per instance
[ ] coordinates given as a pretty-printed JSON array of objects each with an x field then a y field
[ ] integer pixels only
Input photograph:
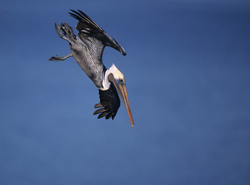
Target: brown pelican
[{"x": 87, "y": 49}]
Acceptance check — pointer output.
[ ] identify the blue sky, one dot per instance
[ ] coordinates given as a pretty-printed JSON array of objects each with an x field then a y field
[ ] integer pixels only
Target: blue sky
[{"x": 187, "y": 72}]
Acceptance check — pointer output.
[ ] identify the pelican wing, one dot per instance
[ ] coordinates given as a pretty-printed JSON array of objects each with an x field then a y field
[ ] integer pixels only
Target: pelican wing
[
  {"x": 93, "y": 35},
  {"x": 109, "y": 103}
]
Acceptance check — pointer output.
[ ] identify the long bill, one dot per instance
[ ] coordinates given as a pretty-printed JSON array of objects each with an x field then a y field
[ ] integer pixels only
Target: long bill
[{"x": 122, "y": 90}]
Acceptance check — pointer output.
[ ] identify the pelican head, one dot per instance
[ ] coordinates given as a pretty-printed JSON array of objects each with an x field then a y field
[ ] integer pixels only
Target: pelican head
[{"x": 117, "y": 78}]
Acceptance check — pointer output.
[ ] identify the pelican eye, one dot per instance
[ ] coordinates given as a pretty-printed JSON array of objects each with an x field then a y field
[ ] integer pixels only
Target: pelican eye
[{"x": 120, "y": 80}]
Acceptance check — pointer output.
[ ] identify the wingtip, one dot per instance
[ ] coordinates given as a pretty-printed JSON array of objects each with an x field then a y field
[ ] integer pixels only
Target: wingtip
[{"x": 98, "y": 105}]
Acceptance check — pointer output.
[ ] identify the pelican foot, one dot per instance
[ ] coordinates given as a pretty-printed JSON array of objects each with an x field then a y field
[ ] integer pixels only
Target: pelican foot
[
  {"x": 59, "y": 30},
  {"x": 60, "y": 58}
]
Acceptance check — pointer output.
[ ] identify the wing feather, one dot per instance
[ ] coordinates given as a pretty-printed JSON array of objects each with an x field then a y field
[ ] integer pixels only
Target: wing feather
[
  {"x": 109, "y": 103},
  {"x": 89, "y": 30}
]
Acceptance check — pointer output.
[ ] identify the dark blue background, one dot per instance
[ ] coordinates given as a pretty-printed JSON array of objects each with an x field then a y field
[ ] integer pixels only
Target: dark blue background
[{"x": 188, "y": 79}]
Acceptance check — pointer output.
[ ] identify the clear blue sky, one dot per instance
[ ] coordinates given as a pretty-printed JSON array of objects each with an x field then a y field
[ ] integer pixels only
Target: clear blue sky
[{"x": 187, "y": 71}]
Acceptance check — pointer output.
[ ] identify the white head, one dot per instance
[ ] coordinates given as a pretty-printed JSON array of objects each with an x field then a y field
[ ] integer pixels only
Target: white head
[{"x": 118, "y": 76}]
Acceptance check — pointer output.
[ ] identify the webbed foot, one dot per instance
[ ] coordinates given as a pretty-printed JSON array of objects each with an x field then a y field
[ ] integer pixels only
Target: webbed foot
[
  {"x": 59, "y": 30},
  {"x": 60, "y": 58}
]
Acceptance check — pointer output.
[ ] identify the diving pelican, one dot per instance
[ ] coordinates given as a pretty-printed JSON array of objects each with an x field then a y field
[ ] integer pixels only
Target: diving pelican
[{"x": 87, "y": 49}]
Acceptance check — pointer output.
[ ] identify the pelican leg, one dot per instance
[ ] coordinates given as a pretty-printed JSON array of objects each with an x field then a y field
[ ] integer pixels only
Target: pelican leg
[{"x": 60, "y": 58}]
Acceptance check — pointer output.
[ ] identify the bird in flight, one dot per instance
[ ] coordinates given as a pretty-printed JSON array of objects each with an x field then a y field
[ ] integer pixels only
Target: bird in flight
[{"x": 87, "y": 49}]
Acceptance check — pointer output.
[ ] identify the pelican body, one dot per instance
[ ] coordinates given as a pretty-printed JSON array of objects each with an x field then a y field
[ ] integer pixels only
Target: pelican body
[{"x": 87, "y": 49}]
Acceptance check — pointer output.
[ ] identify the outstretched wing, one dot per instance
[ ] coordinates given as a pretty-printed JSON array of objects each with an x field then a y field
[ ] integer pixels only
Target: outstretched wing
[
  {"x": 109, "y": 103},
  {"x": 93, "y": 35}
]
